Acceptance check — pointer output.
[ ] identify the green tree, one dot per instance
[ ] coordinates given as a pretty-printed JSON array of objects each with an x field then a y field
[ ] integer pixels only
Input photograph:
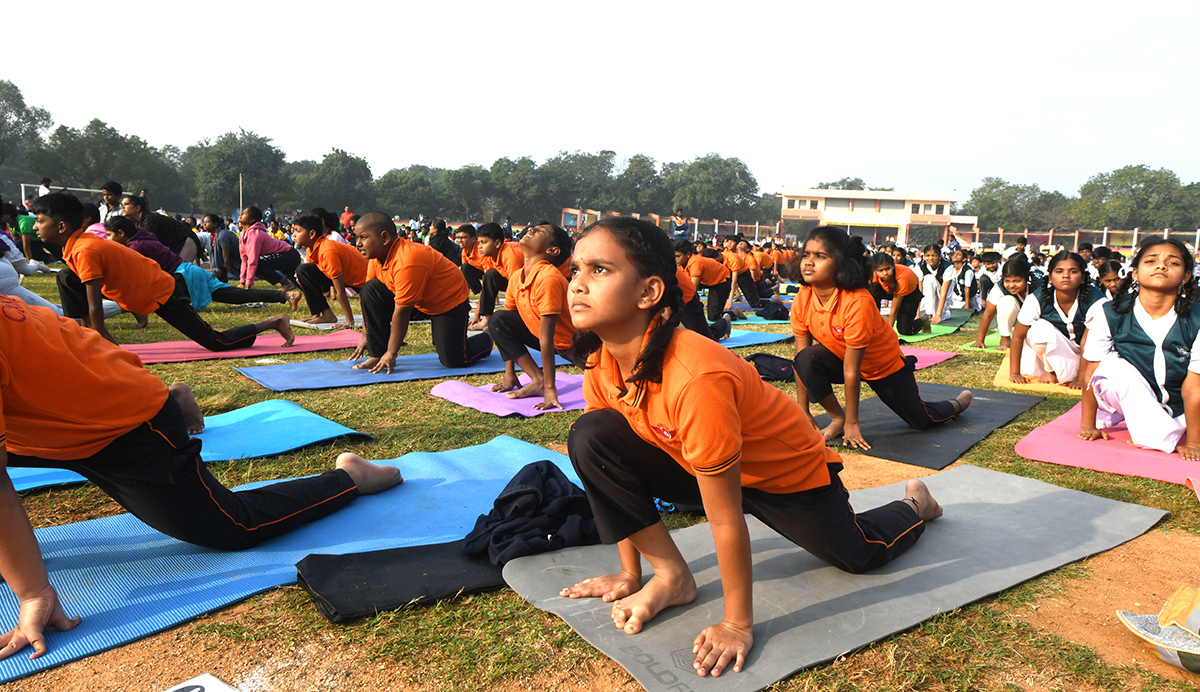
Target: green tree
[
  {"x": 213, "y": 169},
  {"x": 465, "y": 190},
  {"x": 578, "y": 180},
  {"x": 340, "y": 180},
  {"x": 19, "y": 123},
  {"x": 1133, "y": 197},
  {"x": 713, "y": 187},
  {"x": 639, "y": 187},
  {"x": 843, "y": 184},
  {"x": 1001, "y": 204},
  {"x": 406, "y": 192}
]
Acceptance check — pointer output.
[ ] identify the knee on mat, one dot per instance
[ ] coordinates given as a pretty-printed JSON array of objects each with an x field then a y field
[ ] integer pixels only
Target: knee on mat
[{"x": 592, "y": 427}]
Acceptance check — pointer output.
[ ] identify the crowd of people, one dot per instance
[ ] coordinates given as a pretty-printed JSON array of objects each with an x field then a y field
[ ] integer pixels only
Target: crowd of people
[{"x": 671, "y": 413}]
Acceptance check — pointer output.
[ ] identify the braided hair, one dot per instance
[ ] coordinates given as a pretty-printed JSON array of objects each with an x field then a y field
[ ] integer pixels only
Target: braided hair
[
  {"x": 1126, "y": 292},
  {"x": 1066, "y": 256},
  {"x": 651, "y": 253}
]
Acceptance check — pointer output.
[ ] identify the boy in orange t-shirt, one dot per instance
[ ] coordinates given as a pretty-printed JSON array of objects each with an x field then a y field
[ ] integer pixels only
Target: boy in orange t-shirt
[
  {"x": 501, "y": 258},
  {"x": 330, "y": 265},
  {"x": 98, "y": 269},
  {"x": 71, "y": 400},
  {"x": 693, "y": 273},
  {"x": 406, "y": 280},
  {"x": 535, "y": 303}
]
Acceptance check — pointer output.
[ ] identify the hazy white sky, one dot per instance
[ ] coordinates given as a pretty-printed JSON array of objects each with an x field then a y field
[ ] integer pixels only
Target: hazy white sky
[{"x": 926, "y": 96}]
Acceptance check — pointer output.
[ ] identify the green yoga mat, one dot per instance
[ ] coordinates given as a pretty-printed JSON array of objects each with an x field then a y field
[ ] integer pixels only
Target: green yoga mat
[
  {"x": 947, "y": 326},
  {"x": 990, "y": 342}
]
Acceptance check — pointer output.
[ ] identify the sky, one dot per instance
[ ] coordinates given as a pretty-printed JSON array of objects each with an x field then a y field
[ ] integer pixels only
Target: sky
[{"x": 917, "y": 96}]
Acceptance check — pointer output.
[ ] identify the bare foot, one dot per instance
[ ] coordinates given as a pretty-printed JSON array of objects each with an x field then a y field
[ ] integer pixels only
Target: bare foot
[
  {"x": 366, "y": 364},
  {"x": 507, "y": 384},
  {"x": 833, "y": 431},
  {"x": 962, "y": 401},
  {"x": 370, "y": 478},
  {"x": 608, "y": 588},
  {"x": 917, "y": 493},
  {"x": 283, "y": 325},
  {"x": 531, "y": 389},
  {"x": 192, "y": 416},
  {"x": 1048, "y": 378},
  {"x": 633, "y": 612},
  {"x": 322, "y": 319},
  {"x": 293, "y": 299},
  {"x": 1005, "y": 342},
  {"x": 927, "y": 327},
  {"x": 140, "y": 321}
]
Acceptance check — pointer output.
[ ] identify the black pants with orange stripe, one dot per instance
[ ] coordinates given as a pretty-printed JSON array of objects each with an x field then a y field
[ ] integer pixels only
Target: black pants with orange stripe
[
  {"x": 819, "y": 369},
  {"x": 155, "y": 472},
  {"x": 449, "y": 329},
  {"x": 692, "y": 318},
  {"x": 623, "y": 473},
  {"x": 718, "y": 294}
]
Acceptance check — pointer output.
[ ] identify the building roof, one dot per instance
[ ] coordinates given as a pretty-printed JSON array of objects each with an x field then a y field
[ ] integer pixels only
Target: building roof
[{"x": 870, "y": 194}]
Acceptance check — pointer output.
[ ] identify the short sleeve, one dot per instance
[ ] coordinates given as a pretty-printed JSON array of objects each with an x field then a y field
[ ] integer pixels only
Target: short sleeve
[
  {"x": 548, "y": 294},
  {"x": 1031, "y": 311},
  {"x": 856, "y": 319},
  {"x": 87, "y": 265},
  {"x": 797, "y": 316},
  {"x": 995, "y": 295},
  {"x": 510, "y": 293},
  {"x": 708, "y": 422},
  {"x": 332, "y": 262},
  {"x": 1193, "y": 363},
  {"x": 410, "y": 284},
  {"x": 3, "y": 387},
  {"x": 1099, "y": 337},
  {"x": 593, "y": 398},
  {"x": 948, "y": 273}
]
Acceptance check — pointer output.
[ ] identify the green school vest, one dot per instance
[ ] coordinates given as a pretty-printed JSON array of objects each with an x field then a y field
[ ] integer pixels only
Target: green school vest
[
  {"x": 1136, "y": 347},
  {"x": 1050, "y": 312}
]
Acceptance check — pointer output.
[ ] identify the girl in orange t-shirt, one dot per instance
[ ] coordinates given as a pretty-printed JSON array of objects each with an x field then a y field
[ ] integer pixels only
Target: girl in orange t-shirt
[
  {"x": 672, "y": 414},
  {"x": 899, "y": 286},
  {"x": 853, "y": 343}
]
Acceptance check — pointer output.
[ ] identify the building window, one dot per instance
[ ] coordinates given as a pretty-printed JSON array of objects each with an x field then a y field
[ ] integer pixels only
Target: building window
[
  {"x": 791, "y": 204},
  {"x": 916, "y": 209},
  {"x": 928, "y": 208},
  {"x": 812, "y": 204},
  {"x": 941, "y": 209}
]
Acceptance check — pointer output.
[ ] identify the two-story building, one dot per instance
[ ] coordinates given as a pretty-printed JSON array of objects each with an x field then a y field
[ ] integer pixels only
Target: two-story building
[{"x": 877, "y": 216}]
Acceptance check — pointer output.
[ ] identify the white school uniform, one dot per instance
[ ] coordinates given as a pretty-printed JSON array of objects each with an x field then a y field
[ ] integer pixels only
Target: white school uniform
[
  {"x": 953, "y": 299},
  {"x": 931, "y": 288},
  {"x": 1046, "y": 349},
  {"x": 1122, "y": 393},
  {"x": 1007, "y": 308}
]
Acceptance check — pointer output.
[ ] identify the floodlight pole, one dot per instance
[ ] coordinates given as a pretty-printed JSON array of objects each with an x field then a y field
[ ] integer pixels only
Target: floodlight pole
[{"x": 241, "y": 205}]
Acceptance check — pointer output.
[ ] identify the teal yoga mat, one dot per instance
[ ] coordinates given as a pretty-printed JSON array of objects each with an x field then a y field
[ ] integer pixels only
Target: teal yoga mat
[
  {"x": 258, "y": 430},
  {"x": 331, "y": 374},
  {"x": 128, "y": 581},
  {"x": 744, "y": 337},
  {"x": 948, "y": 326}
]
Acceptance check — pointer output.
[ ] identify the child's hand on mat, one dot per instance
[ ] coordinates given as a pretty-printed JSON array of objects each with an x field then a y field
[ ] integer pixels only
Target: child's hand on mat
[
  {"x": 718, "y": 645},
  {"x": 361, "y": 348},
  {"x": 978, "y": 344},
  {"x": 852, "y": 437},
  {"x": 936, "y": 319},
  {"x": 37, "y": 613},
  {"x": 1090, "y": 433},
  {"x": 386, "y": 362},
  {"x": 549, "y": 399},
  {"x": 1189, "y": 452},
  {"x": 1018, "y": 379}
]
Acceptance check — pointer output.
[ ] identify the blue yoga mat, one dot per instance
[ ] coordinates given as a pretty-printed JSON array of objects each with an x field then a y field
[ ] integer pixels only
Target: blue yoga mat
[
  {"x": 128, "y": 581},
  {"x": 331, "y": 374},
  {"x": 743, "y": 337},
  {"x": 258, "y": 430}
]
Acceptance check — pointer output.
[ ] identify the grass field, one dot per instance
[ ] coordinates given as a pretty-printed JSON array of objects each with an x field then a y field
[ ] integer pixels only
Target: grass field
[{"x": 481, "y": 641}]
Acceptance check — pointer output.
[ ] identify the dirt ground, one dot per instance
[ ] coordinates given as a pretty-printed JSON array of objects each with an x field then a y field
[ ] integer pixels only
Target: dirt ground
[{"x": 1137, "y": 576}]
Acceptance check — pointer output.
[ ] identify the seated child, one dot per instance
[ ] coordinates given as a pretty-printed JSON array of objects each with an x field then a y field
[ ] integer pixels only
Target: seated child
[
  {"x": 853, "y": 343},
  {"x": 935, "y": 276},
  {"x": 406, "y": 280},
  {"x": 988, "y": 273},
  {"x": 1050, "y": 326},
  {"x": 1108, "y": 277},
  {"x": 897, "y": 285},
  {"x": 203, "y": 288},
  {"x": 226, "y": 259},
  {"x": 958, "y": 290},
  {"x": 708, "y": 273},
  {"x": 501, "y": 258},
  {"x": 671, "y": 414},
  {"x": 1004, "y": 301},
  {"x": 1142, "y": 354},
  {"x": 97, "y": 269},
  {"x": 473, "y": 266},
  {"x": 330, "y": 265},
  {"x": 135, "y": 447},
  {"x": 535, "y": 302},
  {"x": 264, "y": 257}
]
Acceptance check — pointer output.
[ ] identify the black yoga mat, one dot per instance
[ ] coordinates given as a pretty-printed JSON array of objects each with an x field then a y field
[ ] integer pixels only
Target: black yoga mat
[
  {"x": 939, "y": 446},
  {"x": 344, "y": 587}
]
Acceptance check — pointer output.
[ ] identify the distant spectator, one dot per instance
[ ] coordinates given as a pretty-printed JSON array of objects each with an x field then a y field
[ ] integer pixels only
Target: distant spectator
[{"x": 111, "y": 192}]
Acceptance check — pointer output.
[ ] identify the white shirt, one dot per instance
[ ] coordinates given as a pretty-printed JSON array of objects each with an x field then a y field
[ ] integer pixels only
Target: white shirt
[
  {"x": 1031, "y": 311},
  {"x": 1100, "y": 341},
  {"x": 953, "y": 300}
]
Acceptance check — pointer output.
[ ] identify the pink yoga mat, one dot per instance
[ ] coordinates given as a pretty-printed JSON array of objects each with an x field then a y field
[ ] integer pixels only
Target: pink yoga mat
[
  {"x": 267, "y": 344},
  {"x": 570, "y": 395},
  {"x": 926, "y": 357},
  {"x": 1057, "y": 442}
]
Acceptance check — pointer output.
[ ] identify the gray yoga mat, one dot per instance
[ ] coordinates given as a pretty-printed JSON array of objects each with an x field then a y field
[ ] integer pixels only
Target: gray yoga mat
[{"x": 998, "y": 531}]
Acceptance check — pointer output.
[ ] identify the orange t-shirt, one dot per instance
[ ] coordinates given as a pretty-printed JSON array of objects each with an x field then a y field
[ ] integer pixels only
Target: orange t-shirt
[
  {"x": 544, "y": 292},
  {"x": 905, "y": 282},
  {"x": 776, "y": 256},
  {"x": 507, "y": 260},
  {"x": 132, "y": 280},
  {"x": 710, "y": 271},
  {"x": 472, "y": 258},
  {"x": 420, "y": 277},
  {"x": 765, "y": 261},
  {"x": 685, "y": 284},
  {"x": 711, "y": 411},
  {"x": 65, "y": 391},
  {"x": 336, "y": 259},
  {"x": 734, "y": 262},
  {"x": 752, "y": 266},
  {"x": 565, "y": 268},
  {"x": 850, "y": 319}
]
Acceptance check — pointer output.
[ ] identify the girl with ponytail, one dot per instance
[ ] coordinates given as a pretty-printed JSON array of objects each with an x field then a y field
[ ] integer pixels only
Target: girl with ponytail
[
  {"x": 675, "y": 415},
  {"x": 842, "y": 339}
]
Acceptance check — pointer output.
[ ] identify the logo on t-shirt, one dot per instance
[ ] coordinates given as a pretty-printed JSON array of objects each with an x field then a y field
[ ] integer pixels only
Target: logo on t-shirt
[
  {"x": 664, "y": 432},
  {"x": 839, "y": 330},
  {"x": 13, "y": 309}
]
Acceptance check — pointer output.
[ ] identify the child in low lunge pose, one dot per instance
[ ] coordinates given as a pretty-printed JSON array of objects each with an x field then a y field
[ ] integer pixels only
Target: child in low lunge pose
[
  {"x": 331, "y": 264},
  {"x": 535, "y": 304},
  {"x": 1142, "y": 354},
  {"x": 852, "y": 343},
  {"x": 1004, "y": 301},
  {"x": 1050, "y": 326},
  {"x": 899, "y": 286},
  {"x": 501, "y": 257},
  {"x": 674, "y": 415}
]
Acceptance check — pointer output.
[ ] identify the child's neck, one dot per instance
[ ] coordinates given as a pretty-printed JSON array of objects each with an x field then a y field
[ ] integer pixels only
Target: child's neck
[
  {"x": 624, "y": 342},
  {"x": 531, "y": 261},
  {"x": 823, "y": 292},
  {"x": 1157, "y": 303}
]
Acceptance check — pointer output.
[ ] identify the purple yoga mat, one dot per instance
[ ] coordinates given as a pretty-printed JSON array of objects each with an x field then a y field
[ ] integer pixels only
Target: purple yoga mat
[{"x": 482, "y": 398}]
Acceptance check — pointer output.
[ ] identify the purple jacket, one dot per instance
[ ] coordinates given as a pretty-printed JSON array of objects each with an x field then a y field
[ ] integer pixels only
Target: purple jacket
[{"x": 148, "y": 244}]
